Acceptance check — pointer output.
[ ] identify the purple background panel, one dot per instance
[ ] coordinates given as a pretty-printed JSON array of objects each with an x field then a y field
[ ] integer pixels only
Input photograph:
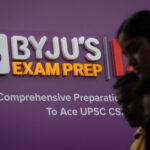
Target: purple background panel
[{"x": 27, "y": 126}]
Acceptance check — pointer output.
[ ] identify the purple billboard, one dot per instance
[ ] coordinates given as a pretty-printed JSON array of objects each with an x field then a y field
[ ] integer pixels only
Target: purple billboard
[{"x": 57, "y": 71}]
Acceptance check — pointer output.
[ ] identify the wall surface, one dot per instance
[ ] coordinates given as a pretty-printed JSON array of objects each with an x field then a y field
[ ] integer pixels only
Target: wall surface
[{"x": 27, "y": 126}]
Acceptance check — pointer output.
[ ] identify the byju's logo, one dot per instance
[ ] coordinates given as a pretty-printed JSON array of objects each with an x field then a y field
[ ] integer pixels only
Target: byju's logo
[
  {"x": 4, "y": 55},
  {"x": 22, "y": 46}
]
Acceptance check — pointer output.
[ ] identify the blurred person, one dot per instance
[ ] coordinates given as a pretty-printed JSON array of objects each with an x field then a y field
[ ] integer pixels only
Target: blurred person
[
  {"x": 134, "y": 39},
  {"x": 143, "y": 90},
  {"x": 131, "y": 107}
]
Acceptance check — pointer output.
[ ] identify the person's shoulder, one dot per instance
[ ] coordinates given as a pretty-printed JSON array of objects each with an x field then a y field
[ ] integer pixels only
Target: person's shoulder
[
  {"x": 139, "y": 132},
  {"x": 139, "y": 143}
]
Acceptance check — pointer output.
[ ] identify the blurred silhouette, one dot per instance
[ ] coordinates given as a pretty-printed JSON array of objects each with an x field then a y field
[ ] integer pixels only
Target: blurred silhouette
[
  {"x": 142, "y": 89},
  {"x": 134, "y": 39},
  {"x": 131, "y": 106}
]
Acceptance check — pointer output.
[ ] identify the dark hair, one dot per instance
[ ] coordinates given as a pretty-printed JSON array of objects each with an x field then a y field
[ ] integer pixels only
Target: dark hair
[
  {"x": 125, "y": 79},
  {"x": 136, "y": 25},
  {"x": 143, "y": 86}
]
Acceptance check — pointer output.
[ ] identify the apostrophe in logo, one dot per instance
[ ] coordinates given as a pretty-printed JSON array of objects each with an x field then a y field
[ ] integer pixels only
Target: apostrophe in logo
[{"x": 4, "y": 55}]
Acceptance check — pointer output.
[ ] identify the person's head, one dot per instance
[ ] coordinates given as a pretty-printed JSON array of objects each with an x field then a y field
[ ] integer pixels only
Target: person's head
[
  {"x": 142, "y": 89},
  {"x": 130, "y": 104},
  {"x": 134, "y": 39}
]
